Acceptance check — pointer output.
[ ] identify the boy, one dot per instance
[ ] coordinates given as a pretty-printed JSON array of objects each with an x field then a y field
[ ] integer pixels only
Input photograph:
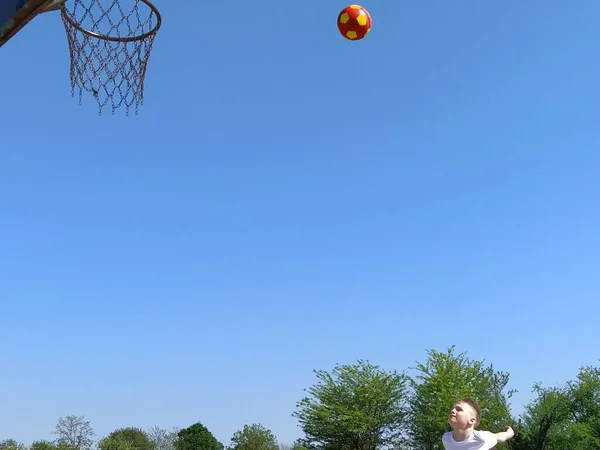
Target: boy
[{"x": 464, "y": 418}]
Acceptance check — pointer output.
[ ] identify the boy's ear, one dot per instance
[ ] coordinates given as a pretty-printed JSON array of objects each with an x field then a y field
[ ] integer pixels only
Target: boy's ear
[{"x": 472, "y": 420}]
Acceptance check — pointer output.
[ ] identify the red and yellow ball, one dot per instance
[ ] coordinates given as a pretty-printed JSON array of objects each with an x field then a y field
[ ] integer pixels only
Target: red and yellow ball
[{"x": 354, "y": 22}]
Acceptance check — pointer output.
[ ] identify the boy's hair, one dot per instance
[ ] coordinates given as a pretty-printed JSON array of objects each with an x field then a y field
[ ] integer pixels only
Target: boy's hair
[{"x": 473, "y": 404}]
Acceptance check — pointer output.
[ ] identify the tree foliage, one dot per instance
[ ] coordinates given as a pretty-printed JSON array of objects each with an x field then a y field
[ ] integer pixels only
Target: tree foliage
[
  {"x": 254, "y": 437},
  {"x": 115, "y": 443},
  {"x": 11, "y": 444},
  {"x": 44, "y": 445},
  {"x": 583, "y": 431},
  {"x": 197, "y": 437},
  {"x": 543, "y": 420},
  {"x": 295, "y": 446},
  {"x": 127, "y": 439},
  {"x": 563, "y": 416},
  {"x": 355, "y": 407},
  {"x": 441, "y": 380}
]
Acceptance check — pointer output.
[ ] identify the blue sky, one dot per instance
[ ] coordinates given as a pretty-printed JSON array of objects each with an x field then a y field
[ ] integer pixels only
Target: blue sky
[{"x": 287, "y": 200}]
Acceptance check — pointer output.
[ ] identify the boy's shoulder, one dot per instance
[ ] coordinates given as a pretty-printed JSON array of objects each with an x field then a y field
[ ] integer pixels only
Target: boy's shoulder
[
  {"x": 484, "y": 435},
  {"x": 487, "y": 437}
]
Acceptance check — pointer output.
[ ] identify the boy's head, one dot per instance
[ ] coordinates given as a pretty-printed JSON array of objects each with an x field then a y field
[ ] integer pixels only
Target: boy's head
[{"x": 465, "y": 414}]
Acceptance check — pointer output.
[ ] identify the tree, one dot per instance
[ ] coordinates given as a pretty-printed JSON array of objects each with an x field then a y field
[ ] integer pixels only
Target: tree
[
  {"x": 197, "y": 437},
  {"x": 544, "y": 420},
  {"x": 443, "y": 379},
  {"x": 254, "y": 437},
  {"x": 126, "y": 438},
  {"x": 115, "y": 443},
  {"x": 44, "y": 445},
  {"x": 294, "y": 446},
  {"x": 162, "y": 439},
  {"x": 74, "y": 432},
  {"x": 11, "y": 444},
  {"x": 584, "y": 396},
  {"x": 356, "y": 407}
]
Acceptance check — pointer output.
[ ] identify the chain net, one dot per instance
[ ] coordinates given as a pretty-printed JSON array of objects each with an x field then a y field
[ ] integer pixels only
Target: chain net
[{"x": 110, "y": 42}]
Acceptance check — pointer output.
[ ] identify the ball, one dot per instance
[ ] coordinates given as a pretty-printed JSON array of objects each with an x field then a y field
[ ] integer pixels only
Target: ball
[{"x": 354, "y": 22}]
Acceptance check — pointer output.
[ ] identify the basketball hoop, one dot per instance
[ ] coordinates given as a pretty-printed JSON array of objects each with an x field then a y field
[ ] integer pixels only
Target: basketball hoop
[{"x": 110, "y": 42}]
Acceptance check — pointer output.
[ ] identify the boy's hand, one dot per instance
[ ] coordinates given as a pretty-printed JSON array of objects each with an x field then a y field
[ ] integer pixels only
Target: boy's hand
[{"x": 505, "y": 435}]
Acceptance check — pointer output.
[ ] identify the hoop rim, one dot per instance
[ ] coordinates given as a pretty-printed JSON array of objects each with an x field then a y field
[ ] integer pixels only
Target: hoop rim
[{"x": 106, "y": 37}]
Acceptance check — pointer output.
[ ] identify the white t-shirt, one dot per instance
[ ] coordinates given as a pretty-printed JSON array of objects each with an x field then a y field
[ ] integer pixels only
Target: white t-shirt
[{"x": 479, "y": 440}]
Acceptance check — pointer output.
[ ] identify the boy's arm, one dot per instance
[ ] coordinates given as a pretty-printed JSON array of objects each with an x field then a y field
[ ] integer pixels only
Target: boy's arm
[{"x": 505, "y": 435}]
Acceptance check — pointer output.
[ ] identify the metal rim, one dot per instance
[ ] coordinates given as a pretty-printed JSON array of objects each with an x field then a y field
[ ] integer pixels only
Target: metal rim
[{"x": 105, "y": 37}]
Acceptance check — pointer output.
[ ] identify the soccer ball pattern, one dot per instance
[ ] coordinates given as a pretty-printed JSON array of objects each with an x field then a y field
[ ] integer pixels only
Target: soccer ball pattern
[{"x": 354, "y": 22}]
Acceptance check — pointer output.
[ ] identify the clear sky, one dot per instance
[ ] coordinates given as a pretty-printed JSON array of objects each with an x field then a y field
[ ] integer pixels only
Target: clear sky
[{"x": 287, "y": 200}]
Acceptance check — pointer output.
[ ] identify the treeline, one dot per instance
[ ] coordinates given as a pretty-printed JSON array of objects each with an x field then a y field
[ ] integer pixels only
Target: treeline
[{"x": 364, "y": 407}]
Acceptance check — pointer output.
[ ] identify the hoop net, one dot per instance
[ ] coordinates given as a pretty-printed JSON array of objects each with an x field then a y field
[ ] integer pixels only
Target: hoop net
[{"x": 110, "y": 42}]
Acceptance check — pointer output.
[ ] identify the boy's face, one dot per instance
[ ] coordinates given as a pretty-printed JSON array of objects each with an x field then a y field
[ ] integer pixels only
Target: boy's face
[{"x": 462, "y": 416}]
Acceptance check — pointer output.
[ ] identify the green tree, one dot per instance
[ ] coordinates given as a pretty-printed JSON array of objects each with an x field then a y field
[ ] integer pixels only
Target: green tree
[
  {"x": 254, "y": 437},
  {"x": 44, "y": 445},
  {"x": 294, "y": 446},
  {"x": 443, "y": 379},
  {"x": 115, "y": 443},
  {"x": 197, "y": 437},
  {"x": 544, "y": 420},
  {"x": 127, "y": 438},
  {"x": 298, "y": 446},
  {"x": 74, "y": 432},
  {"x": 11, "y": 444},
  {"x": 584, "y": 396},
  {"x": 355, "y": 407}
]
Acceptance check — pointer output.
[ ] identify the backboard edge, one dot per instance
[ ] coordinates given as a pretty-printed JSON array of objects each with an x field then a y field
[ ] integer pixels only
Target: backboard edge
[{"x": 22, "y": 17}]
